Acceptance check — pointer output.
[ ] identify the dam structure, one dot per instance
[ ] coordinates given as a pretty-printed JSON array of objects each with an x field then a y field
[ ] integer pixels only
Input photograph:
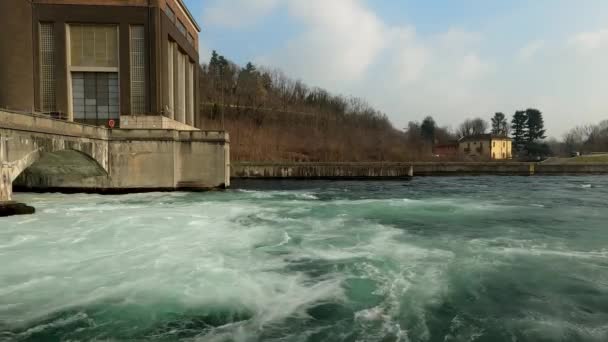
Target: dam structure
[
  {"x": 102, "y": 96},
  {"x": 38, "y": 153}
]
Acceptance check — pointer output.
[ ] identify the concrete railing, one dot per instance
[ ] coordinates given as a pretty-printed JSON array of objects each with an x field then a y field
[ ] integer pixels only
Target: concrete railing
[
  {"x": 272, "y": 170},
  {"x": 321, "y": 170}
]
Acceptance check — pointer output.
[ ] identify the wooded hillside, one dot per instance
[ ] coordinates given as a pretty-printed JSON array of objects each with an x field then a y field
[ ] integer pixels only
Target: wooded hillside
[{"x": 271, "y": 117}]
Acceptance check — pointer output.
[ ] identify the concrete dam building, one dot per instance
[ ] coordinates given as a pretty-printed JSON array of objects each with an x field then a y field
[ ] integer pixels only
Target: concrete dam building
[
  {"x": 92, "y": 61},
  {"x": 102, "y": 96}
]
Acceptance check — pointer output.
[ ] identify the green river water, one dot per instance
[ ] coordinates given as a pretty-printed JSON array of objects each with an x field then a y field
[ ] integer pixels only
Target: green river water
[{"x": 433, "y": 259}]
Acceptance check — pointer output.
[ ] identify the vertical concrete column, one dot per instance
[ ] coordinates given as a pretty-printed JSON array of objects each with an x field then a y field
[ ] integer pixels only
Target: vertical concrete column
[{"x": 6, "y": 185}]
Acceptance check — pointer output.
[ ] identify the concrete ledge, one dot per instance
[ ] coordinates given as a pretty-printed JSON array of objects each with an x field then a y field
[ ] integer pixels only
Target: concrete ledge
[
  {"x": 153, "y": 122},
  {"x": 168, "y": 135},
  {"x": 358, "y": 170},
  {"x": 47, "y": 125},
  {"x": 14, "y": 208},
  {"x": 329, "y": 171},
  {"x": 117, "y": 191}
]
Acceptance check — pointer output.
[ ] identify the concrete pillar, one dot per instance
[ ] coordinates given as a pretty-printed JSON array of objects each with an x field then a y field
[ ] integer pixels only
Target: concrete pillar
[
  {"x": 532, "y": 169},
  {"x": 6, "y": 186}
]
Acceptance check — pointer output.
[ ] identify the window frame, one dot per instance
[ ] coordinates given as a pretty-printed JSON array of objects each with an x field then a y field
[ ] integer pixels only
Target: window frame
[
  {"x": 44, "y": 106},
  {"x": 137, "y": 84},
  {"x": 83, "y": 69}
]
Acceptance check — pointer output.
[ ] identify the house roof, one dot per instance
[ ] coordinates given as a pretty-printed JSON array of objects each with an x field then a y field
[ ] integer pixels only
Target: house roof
[{"x": 485, "y": 137}]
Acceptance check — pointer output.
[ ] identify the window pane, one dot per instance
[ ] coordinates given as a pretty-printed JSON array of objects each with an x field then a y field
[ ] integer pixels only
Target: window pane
[
  {"x": 47, "y": 67},
  {"x": 95, "y": 100},
  {"x": 94, "y": 46},
  {"x": 138, "y": 77}
]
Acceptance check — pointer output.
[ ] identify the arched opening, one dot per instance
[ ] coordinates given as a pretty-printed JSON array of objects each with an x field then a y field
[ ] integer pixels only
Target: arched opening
[{"x": 65, "y": 169}]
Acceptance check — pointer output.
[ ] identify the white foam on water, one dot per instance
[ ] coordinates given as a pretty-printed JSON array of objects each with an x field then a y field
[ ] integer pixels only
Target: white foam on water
[
  {"x": 202, "y": 260},
  {"x": 307, "y": 196},
  {"x": 247, "y": 252}
]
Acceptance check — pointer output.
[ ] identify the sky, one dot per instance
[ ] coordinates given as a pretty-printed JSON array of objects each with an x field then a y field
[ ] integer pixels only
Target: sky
[{"x": 451, "y": 59}]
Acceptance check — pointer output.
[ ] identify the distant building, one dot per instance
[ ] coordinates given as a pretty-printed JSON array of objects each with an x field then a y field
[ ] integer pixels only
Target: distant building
[
  {"x": 446, "y": 150},
  {"x": 92, "y": 61},
  {"x": 486, "y": 146}
]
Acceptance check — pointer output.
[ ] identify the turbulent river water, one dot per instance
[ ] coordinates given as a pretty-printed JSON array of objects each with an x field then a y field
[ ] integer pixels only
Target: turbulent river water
[{"x": 432, "y": 259}]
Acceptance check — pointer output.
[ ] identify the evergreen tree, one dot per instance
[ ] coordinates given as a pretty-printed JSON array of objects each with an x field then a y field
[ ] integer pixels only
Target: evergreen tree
[
  {"x": 519, "y": 130},
  {"x": 214, "y": 63},
  {"x": 535, "y": 125},
  {"x": 427, "y": 129},
  {"x": 250, "y": 86},
  {"x": 500, "y": 125},
  {"x": 250, "y": 68}
]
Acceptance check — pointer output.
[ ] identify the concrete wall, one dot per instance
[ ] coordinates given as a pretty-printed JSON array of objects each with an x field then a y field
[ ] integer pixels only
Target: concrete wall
[
  {"x": 565, "y": 169},
  {"x": 16, "y": 55},
  {"x": 463, "y": 168},
  {"x": 321, "y": 170},
  {"x": 397, "y": 170},
  {"x": 153, "y": 122},
  {"x": 41, "y": 153}
]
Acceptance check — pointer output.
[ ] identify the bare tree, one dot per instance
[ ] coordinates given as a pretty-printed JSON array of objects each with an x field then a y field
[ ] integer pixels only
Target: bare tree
[{"x": 472, "y": 127}]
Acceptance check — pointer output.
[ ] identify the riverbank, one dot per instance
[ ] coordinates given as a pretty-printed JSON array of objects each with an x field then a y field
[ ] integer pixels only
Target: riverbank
[{"x": 271, "y": 170}]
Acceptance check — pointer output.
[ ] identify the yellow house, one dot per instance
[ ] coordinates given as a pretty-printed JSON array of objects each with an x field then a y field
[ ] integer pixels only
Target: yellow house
[{"x": 486, "y": 146}]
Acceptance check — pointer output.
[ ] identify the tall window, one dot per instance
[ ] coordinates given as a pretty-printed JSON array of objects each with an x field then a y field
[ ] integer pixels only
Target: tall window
[
  {"x": 138, "y": 70},
  {"x": 94, "y": 46},
  {"x": 190, "y": 104},
  {"x": 170, "y": 107},
  {"x": 93, "y": 63},
  {"x": 47, "y": 68},
  {"x": 180, "y": 78},
  {"x": 96, "y": 97}
]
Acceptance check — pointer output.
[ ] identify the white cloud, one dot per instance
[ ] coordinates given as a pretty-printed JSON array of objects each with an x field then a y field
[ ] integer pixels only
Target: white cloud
[
  {"x": 458, "y": 38},
  {"x": 473, "y": 67},
  {"x": 342, "y": 39},
  {"x": 589, "y": 41},
  {"x": 344, "y": 46},
  {"x": 237, "y": 13},
  {"x": 529, "y": 51}
]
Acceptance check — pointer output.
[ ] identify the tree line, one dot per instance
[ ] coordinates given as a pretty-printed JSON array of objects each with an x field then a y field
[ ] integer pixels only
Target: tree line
[
  {"x": 271, "y": 116},
  {"x": 526, "y": 128},
  {"x": 585, "y": 139}
]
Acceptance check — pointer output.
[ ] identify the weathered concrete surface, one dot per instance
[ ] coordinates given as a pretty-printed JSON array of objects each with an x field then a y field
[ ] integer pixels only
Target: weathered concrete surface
[
  {"x": 153, "y": 122},
  {"x": 472, "y": 168},
  {"x": 396, "y": 170},
  {"x": 40, "y": 154},
  {"x": 573, "y": 169},
  {"x": 322, "y": 170}
]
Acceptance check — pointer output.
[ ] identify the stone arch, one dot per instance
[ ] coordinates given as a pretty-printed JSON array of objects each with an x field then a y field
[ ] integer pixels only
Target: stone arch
[
  {"x": 28, "y": 150},
  {"x": 66, "y": 167}
]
